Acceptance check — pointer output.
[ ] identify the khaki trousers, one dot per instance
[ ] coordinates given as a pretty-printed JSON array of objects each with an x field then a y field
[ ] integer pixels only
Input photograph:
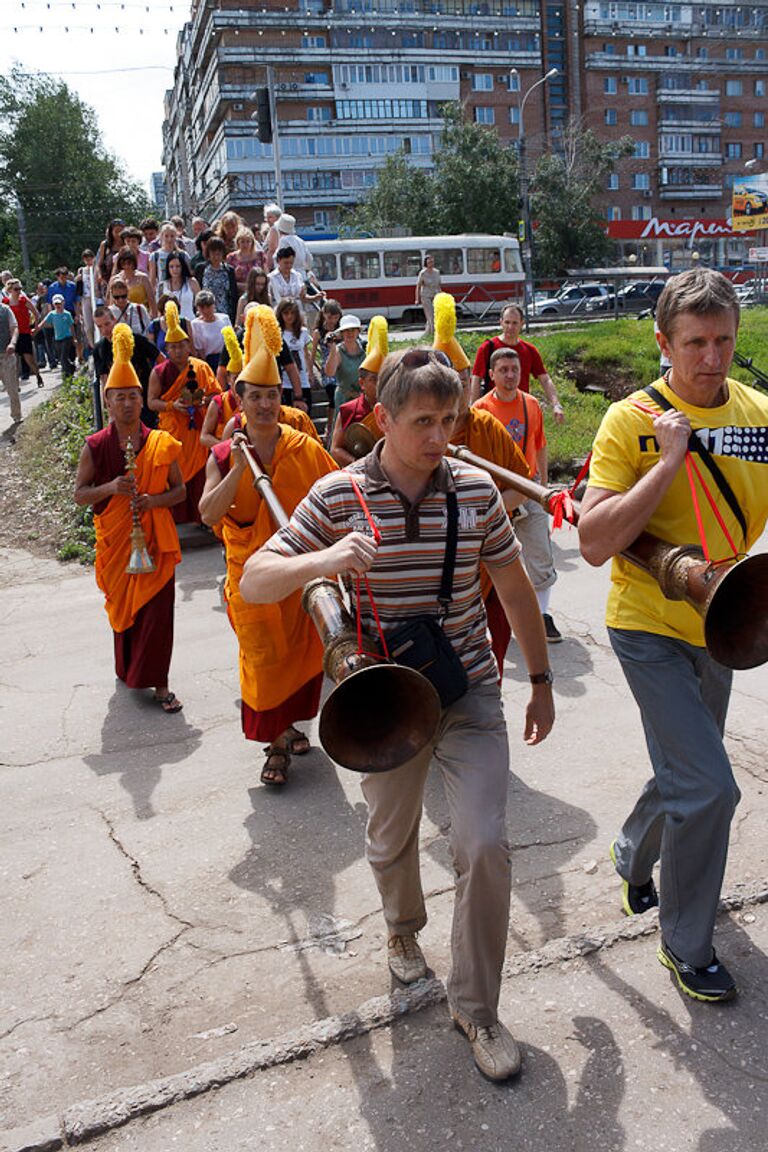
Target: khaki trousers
[
  {"x": 472, "y": 754},
  {"x": 9, "y": 376}
]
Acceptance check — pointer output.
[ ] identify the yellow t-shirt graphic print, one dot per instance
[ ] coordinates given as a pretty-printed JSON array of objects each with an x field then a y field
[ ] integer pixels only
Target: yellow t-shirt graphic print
[{"x": 625, "y": 449}]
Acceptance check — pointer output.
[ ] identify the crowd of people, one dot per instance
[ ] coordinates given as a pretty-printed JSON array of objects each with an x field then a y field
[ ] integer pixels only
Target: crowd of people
[{"x": 209, "y": 381}]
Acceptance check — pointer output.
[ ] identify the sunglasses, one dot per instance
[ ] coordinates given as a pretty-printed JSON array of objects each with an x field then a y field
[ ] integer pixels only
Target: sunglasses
[
  {"x": 420, "y": 357},
  {"x": 115, "y": 296}
]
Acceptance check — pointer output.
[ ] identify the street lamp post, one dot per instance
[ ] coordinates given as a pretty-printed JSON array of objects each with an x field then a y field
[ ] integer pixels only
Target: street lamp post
[{"x": 527, "y": 245}]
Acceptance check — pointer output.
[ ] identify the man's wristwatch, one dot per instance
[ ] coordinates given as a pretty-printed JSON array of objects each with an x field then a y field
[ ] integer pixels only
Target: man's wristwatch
[{"x": 542, "y": 677}]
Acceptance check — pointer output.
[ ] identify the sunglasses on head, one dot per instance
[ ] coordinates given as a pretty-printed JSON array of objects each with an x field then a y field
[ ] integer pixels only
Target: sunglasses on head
[{"x": 420, "y": 357}]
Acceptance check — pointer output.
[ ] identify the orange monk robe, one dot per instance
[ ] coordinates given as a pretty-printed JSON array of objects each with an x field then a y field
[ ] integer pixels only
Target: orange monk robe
[
  {"x": 280, "y": 650},
  {"x": 126, "y": 595},
  {"x": 193, "y": 454},
  {"x": 227, "y": 403}
]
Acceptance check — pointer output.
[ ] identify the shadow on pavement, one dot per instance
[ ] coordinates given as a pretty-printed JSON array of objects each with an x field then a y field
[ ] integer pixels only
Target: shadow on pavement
[{"x": 137, "y": 741}]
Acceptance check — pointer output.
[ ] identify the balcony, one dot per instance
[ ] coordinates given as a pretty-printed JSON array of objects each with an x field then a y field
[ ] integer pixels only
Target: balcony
[
  {"x": 691, "y": 192},
  {"x": 706, "y": 96}
]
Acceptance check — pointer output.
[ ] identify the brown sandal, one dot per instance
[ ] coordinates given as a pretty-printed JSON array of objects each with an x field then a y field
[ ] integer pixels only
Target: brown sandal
[
  {"x": 275, "y": 770},
  {"x": 298, "y": 743}
]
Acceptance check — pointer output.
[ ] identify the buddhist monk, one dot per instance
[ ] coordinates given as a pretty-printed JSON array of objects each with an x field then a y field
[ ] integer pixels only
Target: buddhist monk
[
  {"x": 139, "y": 607},
  {"x": 280, "y": 651},
  {"x": 180, "y": 390},
  {"x": 226, "y": 403}
]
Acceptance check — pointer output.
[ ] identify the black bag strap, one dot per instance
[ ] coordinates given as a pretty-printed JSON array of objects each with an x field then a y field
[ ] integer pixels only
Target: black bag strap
[
  {"x": 695, "y": 445},
  {"x": 445, "y": 595}
]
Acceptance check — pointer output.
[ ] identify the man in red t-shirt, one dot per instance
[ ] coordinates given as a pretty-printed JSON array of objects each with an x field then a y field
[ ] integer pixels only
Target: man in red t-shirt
[
  {"x": 531, "y": 363},
  {"x": 521, "y": 415}
]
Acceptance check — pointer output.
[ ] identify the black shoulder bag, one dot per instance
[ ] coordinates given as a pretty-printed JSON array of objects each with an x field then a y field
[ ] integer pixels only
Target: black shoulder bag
[
  {"x": 695, "y": 445},
  {"x": 421, "y": 643}
]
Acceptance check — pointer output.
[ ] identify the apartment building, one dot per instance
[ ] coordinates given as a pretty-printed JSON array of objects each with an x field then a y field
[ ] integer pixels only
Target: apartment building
[{"x": 356, "y": 80}]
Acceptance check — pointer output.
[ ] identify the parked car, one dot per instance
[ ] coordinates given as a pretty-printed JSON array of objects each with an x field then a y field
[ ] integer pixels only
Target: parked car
[
  {"x": 636, "y": 296},
  {"x": 572, "y": 299},
  {"x": 749, "y": 201}
]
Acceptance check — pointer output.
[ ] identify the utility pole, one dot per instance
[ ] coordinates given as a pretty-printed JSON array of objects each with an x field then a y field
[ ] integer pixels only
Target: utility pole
[
  {"x": 22, "y": 234},
  {"x": 275, "y": 135},
  {"x": 527, "y": 244}
]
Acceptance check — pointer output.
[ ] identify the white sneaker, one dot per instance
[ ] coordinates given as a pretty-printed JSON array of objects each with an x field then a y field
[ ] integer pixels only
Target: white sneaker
[
  {"x": 493, "y": 1046},
  {"x": 406, "y": 959}
]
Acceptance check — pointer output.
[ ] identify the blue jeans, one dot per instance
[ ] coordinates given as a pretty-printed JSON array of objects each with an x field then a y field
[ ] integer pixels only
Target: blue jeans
[{"x": 683, "y": 816}]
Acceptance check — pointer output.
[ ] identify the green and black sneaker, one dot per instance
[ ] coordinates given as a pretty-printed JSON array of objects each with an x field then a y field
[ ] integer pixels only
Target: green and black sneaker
[
  {"x": 635, "y": 898},
  {"x": 713, "y": 983}
]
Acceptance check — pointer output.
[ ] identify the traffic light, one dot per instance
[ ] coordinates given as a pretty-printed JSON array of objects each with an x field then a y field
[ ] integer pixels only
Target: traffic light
[{"x": 263, "y": 116}]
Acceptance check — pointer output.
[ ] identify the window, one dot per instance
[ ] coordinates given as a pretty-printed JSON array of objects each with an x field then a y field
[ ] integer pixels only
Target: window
[
  {"x": 609, "y": 49},
  {"x": 641, "y": 181},
  {"x": 759, "y": 53},
  {"x": 613, "y": 213},
  {"x": 610, "y": 87},
  {"x": 320, "y": 112},
  {"x": 484, "y": 114},
  {"x": 758, "y": 119},
  {"x": 732, "y": 119},
  {"x": 483, "y": 260},
  {"x": 314, "y": 42},
  {"x": 381, "y": 109},
  {"x": 513, "y": 82},
  {"x": 670, "y": 50},
  {"x": 759, "y": 150},
  {"x": 449, "y": 261},
  {"x": 317, "y": 78},
  {"x": 641, "y": 211},
  {"x": 733, "y": 88},
  {"x": 702, "y": 53},
  {"x": 322, "y": 218},
  {"x": 638, "y": 117},
  {"x": 359, "y": 266},
  {"x": 324, "y": 266},
  {"x": 759, "y": 87},
  {"x": 637, "y": 85},
  {"x": 613, "y": 182},
  {"x": 734, "y": 53},
  {"x": 610, "y": 116},
  {"x": 635, "y": 49},
  {"x": 733, "y": 151},
  {"x": 512, "y": 262},
  {"x": 402, "y": 264},
  {"x": 642, "y": 150},
  {"x": 482, "y": 82},
  {"x": 514, "y": 114}
]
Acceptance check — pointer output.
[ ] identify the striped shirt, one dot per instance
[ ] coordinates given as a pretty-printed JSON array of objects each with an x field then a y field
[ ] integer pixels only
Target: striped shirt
[{"x": 405, "y": 577}]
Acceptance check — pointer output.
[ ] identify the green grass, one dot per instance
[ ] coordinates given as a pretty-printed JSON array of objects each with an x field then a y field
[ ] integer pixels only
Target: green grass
[{"x": 49, "y": 446}]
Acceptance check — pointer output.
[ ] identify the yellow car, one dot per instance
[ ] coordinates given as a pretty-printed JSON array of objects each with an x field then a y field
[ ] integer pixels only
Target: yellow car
[{"x": 749, "y": 201}]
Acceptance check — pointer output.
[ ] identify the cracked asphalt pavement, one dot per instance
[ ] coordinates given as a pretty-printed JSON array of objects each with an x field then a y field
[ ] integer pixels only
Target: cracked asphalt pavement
[{"x": 161, "y": 909}]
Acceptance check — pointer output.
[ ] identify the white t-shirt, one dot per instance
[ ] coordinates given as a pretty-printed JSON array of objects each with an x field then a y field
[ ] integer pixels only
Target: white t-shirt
[
  {"x": 279, "y": 287},
  {"x": 134, "y": 315},
  {"x": 206, "y": 335},
  {"x": 296, "y": 346}
]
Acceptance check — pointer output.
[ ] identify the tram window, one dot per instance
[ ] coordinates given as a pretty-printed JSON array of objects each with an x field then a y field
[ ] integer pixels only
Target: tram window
[
  {"x": 512, "y": 260},
  {"x": 402, "y": 264},
  {"x": 360, "y": 266},
  {"x": 324, "y": 266},
  {"x": 481, "y": 261},
  {"x": 449, "y": 261}
]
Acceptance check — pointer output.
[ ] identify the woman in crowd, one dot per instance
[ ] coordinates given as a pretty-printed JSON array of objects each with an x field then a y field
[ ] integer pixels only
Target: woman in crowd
[
  {"x": 246, "y": 257},
  {"x": 126, "y": 268},
  {"x": 107, "y": 253},
  {"x": 297, "y": 340},
  {"x": 344, "y": 359},
  {"x": 180, "y": 285},
  {"x": 124, "y": 312},
  {"x": 228, "y": 228},
  {"x": 157, "y": 327},
  {"x": 207, "y": 329},
  {"x": 323, "y": 336},
  {"x": 427, "y": 287},
  {"x": 219, "y": 278},
  {"x": 256, "y": 292},
  {"x": 158, "y": 260}
]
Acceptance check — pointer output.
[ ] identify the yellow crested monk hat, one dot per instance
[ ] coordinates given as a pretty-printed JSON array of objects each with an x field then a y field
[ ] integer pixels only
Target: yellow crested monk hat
[
  {"x": 122, "y": 374},
  {"x": 174, "y": 333},
  {"x": 261, "y": 343},
  {"x": 234, "y": 351},
  {"x": 445, "y": 331},
  {"x": 377, "y": 346}
]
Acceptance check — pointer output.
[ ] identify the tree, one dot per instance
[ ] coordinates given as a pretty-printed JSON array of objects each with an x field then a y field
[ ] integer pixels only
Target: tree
[
  {"x": 570, "y": 231},
  {"x": 53, "y": 160},
  {"x": 472, "y": 187}
]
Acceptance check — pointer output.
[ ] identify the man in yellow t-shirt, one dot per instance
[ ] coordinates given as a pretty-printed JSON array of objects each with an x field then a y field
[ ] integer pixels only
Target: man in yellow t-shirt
[
  {"x": 638, "y": 481},
  {"x": 520, "y": 413}
]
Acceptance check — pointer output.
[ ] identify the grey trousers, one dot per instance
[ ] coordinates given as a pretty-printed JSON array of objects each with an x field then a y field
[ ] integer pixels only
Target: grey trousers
[
  {"x": 472, "y": 753},
  {"x": 684, "y": 813},
  {"x": 533, "y": 533},
  {"x": 9, "y": 377}
]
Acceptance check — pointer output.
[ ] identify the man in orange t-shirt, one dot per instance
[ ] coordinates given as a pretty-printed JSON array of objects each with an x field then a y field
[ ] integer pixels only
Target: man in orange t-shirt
[{"x": 521, "y": 415}]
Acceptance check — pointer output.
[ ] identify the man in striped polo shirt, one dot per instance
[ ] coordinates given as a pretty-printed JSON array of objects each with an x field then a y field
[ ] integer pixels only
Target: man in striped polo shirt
[{"x": 406, "y": 481}]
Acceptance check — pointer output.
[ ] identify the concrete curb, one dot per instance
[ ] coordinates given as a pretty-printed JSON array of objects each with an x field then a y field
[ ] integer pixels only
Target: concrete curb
[{"x": 92, "y": 1118}]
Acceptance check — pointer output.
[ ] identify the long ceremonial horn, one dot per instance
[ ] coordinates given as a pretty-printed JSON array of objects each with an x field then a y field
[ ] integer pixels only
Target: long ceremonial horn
[
  {"x": 380, "y": 714},
  {"x": 731, "y": 597}
]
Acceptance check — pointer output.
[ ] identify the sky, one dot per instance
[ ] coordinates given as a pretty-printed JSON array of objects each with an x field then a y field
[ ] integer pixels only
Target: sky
[{"x": 121, "y": 69}]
